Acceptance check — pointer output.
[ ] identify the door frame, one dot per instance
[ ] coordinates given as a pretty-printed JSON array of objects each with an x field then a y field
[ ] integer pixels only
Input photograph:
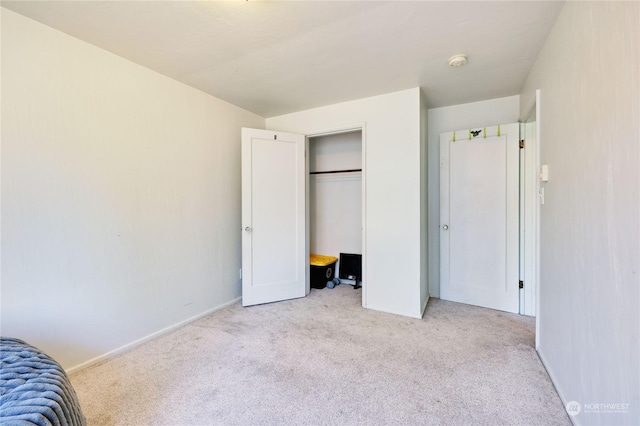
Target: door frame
[
  {"x": 532, "y": 252},
  {"x": 529, "y": 213},
  {"x": 361, "y": 127}
]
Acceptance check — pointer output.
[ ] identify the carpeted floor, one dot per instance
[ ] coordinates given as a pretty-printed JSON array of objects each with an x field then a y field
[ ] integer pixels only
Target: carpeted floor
[{"x": 326, "y": 360}]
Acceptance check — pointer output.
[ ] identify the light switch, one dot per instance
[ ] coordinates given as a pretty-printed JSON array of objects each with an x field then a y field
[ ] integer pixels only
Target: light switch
[{"x": 544, "y": 173}]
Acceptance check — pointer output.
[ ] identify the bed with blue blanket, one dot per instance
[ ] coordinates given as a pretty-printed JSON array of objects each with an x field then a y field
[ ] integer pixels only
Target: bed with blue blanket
[{"x": 34, "y": 389}]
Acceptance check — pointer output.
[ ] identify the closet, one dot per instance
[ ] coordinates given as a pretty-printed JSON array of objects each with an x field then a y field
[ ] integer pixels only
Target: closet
[{"x": 335, "y": 195}]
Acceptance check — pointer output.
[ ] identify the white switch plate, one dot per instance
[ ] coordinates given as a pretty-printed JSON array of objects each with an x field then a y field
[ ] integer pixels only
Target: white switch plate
[{"x": 544, "y": 173}]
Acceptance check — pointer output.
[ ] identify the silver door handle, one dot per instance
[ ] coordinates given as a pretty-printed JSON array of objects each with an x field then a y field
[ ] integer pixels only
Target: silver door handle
[
  {"x": 247, "y": 228},
  {"x": 445, "y": 227}
]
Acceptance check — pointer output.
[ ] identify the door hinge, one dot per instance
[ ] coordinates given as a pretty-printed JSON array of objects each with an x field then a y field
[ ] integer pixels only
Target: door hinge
[
  {"x": 520, "y": 284},
  {"x": 521, "y": 144}
]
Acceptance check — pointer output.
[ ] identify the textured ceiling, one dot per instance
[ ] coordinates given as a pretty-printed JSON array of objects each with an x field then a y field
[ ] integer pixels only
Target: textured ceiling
[{"x": 279, "y": 57}]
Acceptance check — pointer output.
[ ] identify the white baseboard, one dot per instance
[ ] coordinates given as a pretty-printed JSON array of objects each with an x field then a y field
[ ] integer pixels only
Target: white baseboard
[
  {"x": 404, "y": 314},
  {"x": 146, "y": 338},
  {"x": 424, "y": 307},
  {"x": 552, "y": 376}
]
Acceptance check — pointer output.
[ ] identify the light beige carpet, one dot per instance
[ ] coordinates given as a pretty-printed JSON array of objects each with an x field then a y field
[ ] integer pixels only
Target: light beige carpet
[{"x": 326, "y": 360}]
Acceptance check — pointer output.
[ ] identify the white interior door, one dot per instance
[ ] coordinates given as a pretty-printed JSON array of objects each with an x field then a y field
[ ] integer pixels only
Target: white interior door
[
  {"x": 274, "y": 259},
  {"x": 479, "y": 186}
]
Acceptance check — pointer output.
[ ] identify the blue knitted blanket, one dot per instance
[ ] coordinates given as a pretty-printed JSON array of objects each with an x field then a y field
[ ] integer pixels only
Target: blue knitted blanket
[{"x": 34, "y": 389}]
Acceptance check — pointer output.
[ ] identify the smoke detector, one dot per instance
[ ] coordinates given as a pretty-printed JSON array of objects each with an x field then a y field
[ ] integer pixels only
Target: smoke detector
[{"x": 457, "y": 60}]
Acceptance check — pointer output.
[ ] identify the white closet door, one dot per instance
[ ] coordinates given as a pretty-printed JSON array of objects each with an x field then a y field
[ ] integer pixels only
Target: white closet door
[
  {"x": 479, "y": 217},
  {"x": 274, "y": 259}
]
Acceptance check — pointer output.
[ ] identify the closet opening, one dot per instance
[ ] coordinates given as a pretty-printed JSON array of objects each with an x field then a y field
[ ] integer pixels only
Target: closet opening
[{"x": 335, "y": 212}]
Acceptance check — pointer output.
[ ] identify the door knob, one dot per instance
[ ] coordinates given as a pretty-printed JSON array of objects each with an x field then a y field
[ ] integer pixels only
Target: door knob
[
  {"x": 247, "y": 228},
  {"x": 445, "y": 227}
]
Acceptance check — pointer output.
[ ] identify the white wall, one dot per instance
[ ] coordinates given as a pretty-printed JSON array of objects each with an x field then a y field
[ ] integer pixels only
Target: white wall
[
  {"x": 445, "y": 119},
  {"x": 120, "y": 196},
  {"x": 335, "y": 200},
  {"x": 588, "y": 74},
  {"x": 341, "y": 151},
  {"x": 424, "y": 199},
  {"x": 392, "y": 190}
]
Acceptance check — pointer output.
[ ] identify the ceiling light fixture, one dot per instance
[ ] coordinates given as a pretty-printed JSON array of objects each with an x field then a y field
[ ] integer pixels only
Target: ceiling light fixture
[{"x": 457, "y": 60}]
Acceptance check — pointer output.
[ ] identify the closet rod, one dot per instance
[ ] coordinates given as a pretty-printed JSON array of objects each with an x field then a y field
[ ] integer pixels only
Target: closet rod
[{"x": 336, "y": 171}]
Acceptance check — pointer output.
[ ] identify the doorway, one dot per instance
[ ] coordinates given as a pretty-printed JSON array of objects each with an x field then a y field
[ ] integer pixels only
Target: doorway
[
  {"x": 335, "y": 198},
  {"x": 276, "y": 226}
]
